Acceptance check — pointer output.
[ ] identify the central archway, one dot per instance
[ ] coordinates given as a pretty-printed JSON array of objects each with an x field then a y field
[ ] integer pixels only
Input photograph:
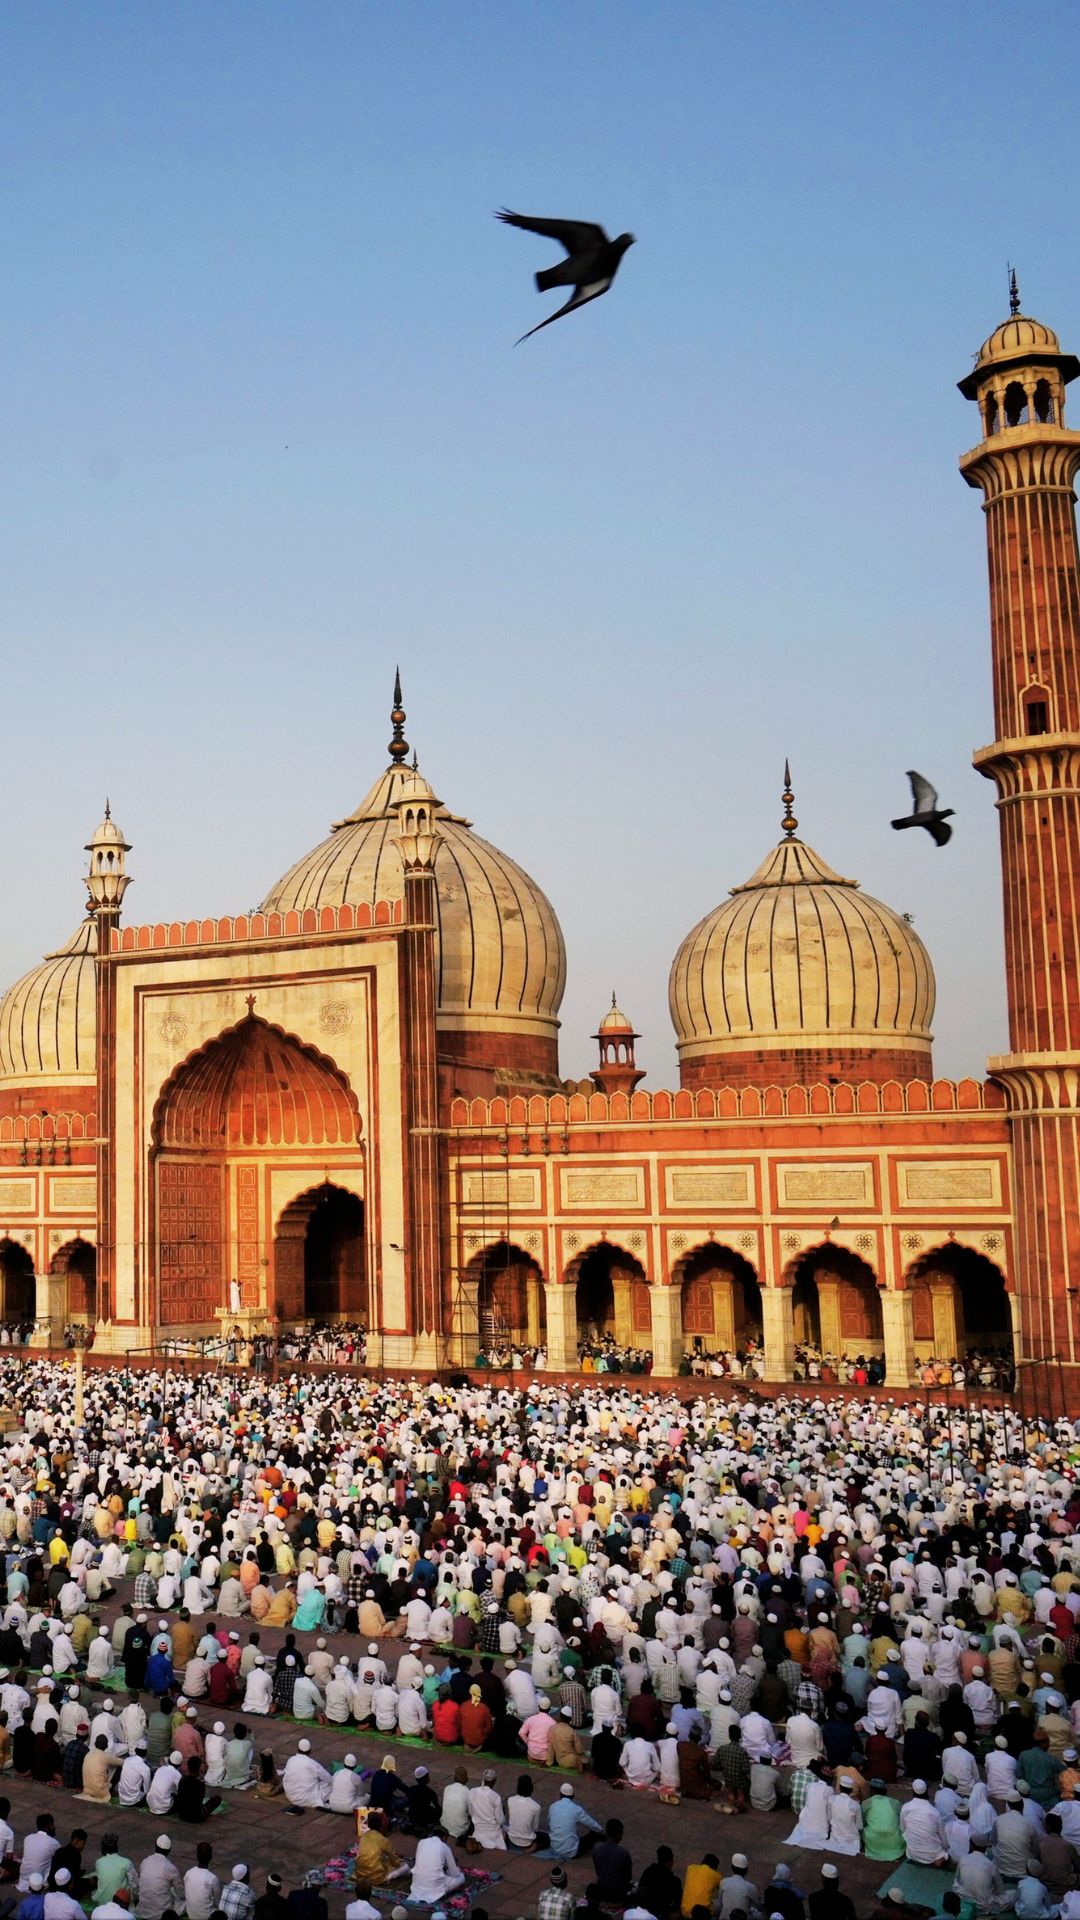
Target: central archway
[
  {"x": 17, "y": 1274},
  {"x": 320, "y": 1265},
  {"x": 252, "y": 1088}
]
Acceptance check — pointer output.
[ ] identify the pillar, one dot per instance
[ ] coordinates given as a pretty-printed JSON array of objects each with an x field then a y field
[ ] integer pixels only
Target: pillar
[
  {"x": 943, "y": 1301},
  {"x": 828, "y": 1293},
  {"x": 723, "y": 1298},
  {"x": 532, "y": 1310},
  {"x": 778, "y": 1330},
  {"x": 624, "y": 1309},
  {"x": 665, "y": 1304},
  {"x": 50, "y": 1304},
  {"x": 898, "y": 1325},
  {"x": 560, "y": 1305}
]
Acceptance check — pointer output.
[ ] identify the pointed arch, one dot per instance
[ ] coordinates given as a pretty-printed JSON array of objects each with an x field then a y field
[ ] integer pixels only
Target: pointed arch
[
  {"x": 836, "y": 1300},
  {"x": 720, "y": 1297},
  {"x": 610, "y": 1288},
  {"x": 509, "y": 1294},
  {"x": 255, "y": 1085},
  {"x": 320, "y": 1263},
  {"x": 77, "y": 1261},
  {"x": 18, "y": 1293},
  {"x": 962, "y": 1302}
]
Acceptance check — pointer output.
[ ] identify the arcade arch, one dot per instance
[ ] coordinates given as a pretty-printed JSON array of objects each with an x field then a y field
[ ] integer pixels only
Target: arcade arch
[
  {"x": 836, "y": 1302},
  {"x": 77, "y": 1263},
  {"x": 18, "y": 1299},
  {"x": 609, "y": 1288},
  {"x": 720, "y": 1300},
  {"x": 960, "y": 1302},
  {"x": 509, "y": 1295}
]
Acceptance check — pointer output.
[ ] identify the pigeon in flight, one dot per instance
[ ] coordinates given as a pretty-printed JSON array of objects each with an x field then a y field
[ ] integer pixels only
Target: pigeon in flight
[
  {"x": 926, "y": 812},
  {"x": 591, "y": 266}
]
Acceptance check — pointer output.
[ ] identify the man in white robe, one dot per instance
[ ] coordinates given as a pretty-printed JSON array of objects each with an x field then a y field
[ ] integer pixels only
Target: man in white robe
[
  {"x": 923, "y": 1833},
  {"x": 487, "y": 1815},
  {"x": 640, "y": 1762},
  {"x": 346, "y": 1787},
  {"x": 845, "y": 1822},
  {"x": 305, "y": 1781},
  {"x": 259, "y": 1692},
  {"x": 435, "y": 1871},
  {"x": 134, "y": 1782}
]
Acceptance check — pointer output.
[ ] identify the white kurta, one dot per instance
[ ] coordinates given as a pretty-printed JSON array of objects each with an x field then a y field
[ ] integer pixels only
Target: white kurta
[
  {"x": 486, "y": 1813},
  {"x": 924, "y": 1836},
  {"x": 306, "y": 1783},
  {"x": 813, "y": 1828},
  {"x": 435, "y": 1871},
  {"x": 845, "y": 1824}
]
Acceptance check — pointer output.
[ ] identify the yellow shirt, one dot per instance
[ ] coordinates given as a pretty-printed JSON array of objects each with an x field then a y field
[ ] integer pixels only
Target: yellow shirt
[{"x": 699, "y": 1888}]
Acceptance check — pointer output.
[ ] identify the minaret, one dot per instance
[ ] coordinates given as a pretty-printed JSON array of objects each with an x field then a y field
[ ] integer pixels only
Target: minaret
[
  {"x": 617, "y": 1072},
  {"x": 107, "y": 881},
  {"x": 418, "y": 842},
  {"x": 1026, "y": 464}
]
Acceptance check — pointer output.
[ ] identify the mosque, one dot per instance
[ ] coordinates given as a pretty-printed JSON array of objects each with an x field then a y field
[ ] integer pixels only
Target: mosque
[{"x": 349, "y": 1104}]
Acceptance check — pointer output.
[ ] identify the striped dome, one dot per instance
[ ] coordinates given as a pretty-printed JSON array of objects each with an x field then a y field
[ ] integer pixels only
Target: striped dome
[
  {"x": 48, "y": 1019},
  {"x": 500, "y": 956},
  {"x": 1017, "y": 337},
  {"x": 799, "y": 957}
]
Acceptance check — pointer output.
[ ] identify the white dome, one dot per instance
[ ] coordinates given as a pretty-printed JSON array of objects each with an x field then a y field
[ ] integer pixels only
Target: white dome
[{"x": 48, "y": 1019}]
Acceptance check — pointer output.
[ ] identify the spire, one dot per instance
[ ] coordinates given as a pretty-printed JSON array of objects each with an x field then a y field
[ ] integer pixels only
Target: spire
[
  {"x": 789, "y": 822},
  {"x": 1014, "y": 292},
  {"x": 399, "y": 746}
]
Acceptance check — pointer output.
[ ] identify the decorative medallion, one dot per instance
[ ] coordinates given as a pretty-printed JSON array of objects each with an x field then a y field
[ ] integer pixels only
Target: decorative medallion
[
  {"x": 678, "y": 1241},
  {"x": 747, "y": 1240},
  {"x": 636, "y": 1240},
  {"x": 864, "y": 1242},
  {"x": 913, "y": 1242},
  {"x": 173, "y": 1029},
  {"x": 990, "y": 1242},
  {"x": 335, "y": 1016},
  {"x": 792, "y": 1241},
  {"x": 573, "y": 1240}
]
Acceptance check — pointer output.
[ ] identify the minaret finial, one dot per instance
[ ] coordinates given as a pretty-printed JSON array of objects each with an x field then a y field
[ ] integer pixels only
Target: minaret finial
[
  {"x": 1014, "y": 292},
  {"x": 789, "y": 822},
  {"x": 399, "y": 746},
  {"x": 108, "y": 809}
]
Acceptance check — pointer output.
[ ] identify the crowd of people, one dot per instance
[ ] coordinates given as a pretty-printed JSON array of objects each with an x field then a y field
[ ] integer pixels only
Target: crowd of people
[
  {"x": 973, "y": 1369},
  {"x": 858, "y": 1618}
]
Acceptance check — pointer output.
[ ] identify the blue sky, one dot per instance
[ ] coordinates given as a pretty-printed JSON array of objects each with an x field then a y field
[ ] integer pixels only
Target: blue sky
[{"x": 265, "y": 435}]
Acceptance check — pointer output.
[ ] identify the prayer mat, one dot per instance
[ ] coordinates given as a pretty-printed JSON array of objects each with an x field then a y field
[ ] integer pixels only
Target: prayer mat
[
  {"x": 920, "y": 1886},
  {"x": 339, "y": 1873}
]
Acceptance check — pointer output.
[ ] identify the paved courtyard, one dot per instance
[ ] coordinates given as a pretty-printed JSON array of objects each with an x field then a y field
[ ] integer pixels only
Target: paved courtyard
[{"x": 269, "y": 1839}]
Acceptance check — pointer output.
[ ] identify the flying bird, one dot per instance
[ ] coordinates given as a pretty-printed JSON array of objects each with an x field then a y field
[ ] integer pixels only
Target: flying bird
[
  {"x": 926, "y": 812},
  {"x": 590, "y": 267}
]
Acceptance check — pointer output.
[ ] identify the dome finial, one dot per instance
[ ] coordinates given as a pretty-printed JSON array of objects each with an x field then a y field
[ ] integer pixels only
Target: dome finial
[
  {"x": 789, "y": 822},
  {"x": 1014, "y": 291},
  {"x": 399, "y": 746}
]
